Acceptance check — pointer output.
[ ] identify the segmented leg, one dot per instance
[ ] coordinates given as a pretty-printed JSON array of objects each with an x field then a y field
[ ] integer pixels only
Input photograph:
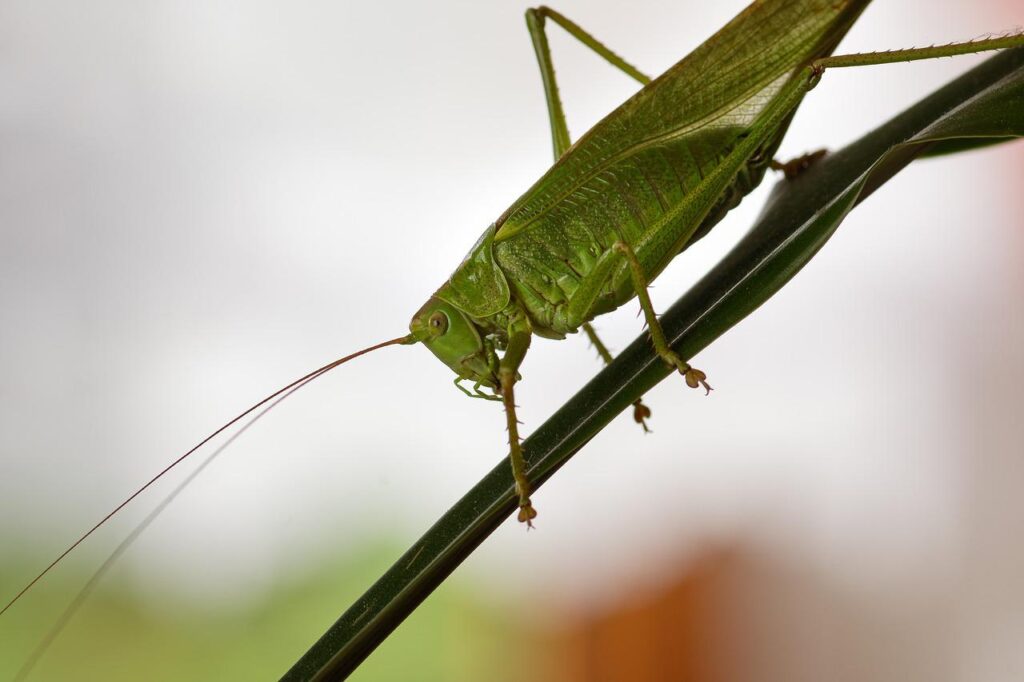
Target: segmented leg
[
  {"x": 694, "y": 377},
  {"x": 476, "y": 392},
  {"x": 526, "y": 511},
  {"x": 912, "y": 54},
  {"x": 641, "y": 413},
  {"x": 508, "y": 374},
  {"x": 794, "y": 167},
  {"x": 535, "y": 20}
]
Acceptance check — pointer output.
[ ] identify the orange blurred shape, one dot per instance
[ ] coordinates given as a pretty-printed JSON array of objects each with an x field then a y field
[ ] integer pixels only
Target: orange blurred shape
[{"x": 679, "y": 632}]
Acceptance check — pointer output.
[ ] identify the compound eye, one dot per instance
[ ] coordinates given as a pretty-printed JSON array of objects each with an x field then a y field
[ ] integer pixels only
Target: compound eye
[{"x": 438, "y": 323}]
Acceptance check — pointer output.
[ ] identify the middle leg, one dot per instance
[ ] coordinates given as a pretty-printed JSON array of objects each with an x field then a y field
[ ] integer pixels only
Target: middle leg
[
  {"x": 641, "y": 413},
  {"x": 694, "y": 377},
  {"x": 794, "y": 167}
]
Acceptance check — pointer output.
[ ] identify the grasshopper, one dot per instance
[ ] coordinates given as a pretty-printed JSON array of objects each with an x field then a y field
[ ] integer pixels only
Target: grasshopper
[
  {"x": 644, "y": 183},
  {"x": 620, "y": 203}
]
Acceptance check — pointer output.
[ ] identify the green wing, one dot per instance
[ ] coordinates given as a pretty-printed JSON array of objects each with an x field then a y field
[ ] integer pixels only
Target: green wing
[{"x": 646, "y": 155}]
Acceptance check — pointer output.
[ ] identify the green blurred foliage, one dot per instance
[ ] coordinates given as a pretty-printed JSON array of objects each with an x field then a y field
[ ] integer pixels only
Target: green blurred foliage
[{"x": 460, "y": 633}]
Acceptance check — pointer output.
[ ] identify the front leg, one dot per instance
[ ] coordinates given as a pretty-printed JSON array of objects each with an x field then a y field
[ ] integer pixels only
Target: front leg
[{"x": 508, "y": 373}]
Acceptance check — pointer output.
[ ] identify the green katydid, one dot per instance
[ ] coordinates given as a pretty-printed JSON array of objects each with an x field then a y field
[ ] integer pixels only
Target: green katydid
[
  {"x": 648, "y": 180},
  {"x": 645, "y": 182}
]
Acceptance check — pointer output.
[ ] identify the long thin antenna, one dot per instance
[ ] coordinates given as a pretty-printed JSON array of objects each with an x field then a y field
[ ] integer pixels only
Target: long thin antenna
[
  {"x": 317, "y": 372},
  {"x": 90, "y": 585}
]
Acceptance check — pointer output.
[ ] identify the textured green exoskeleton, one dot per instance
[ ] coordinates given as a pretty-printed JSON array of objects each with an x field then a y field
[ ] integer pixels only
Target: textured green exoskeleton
[{"x": 645, "y": 182}]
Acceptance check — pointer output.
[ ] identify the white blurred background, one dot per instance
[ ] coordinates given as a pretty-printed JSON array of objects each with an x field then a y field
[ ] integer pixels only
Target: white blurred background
[{"x": 200, "y": 202}]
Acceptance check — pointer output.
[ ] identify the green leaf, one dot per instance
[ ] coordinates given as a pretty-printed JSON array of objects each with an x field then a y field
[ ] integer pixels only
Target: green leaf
[{"x": 984, "y": 106}]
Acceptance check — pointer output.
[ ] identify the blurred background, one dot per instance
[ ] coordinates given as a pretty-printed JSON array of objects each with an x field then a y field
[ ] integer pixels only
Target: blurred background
[{"x": 200, "y": 202}]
